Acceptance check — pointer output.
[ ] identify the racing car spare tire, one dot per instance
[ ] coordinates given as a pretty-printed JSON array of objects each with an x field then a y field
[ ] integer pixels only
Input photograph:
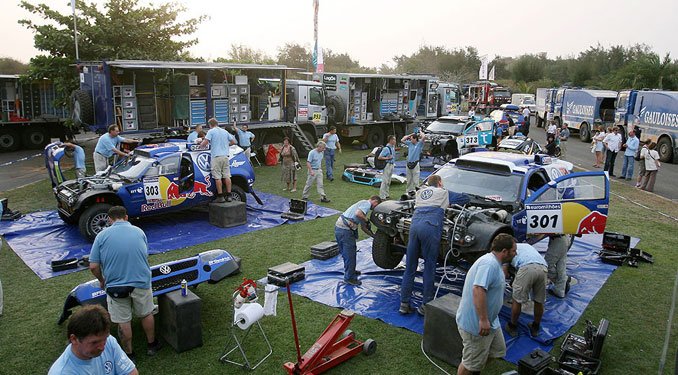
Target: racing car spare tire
[
  {"x": 382, "y": 253},
  {"x": 336, "y": 109},
  {"x": 82, "y": 110},
  {"x": 93, "y": 220},
  {"x": 238, "y": 194}
]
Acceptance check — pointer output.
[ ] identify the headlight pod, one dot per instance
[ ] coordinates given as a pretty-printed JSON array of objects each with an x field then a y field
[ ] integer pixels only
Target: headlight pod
[
  {"x": 380, "y": 217},
  {"x": 469, "y": 238},
  {"x": 457, "y": 237},
  {"x": 389, "y": 220}
]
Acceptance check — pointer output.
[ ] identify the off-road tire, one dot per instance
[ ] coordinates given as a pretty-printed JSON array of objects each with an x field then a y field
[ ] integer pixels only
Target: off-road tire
[
  {"x": 93, "y": 220},
  {"x": 381, "y": 251}
]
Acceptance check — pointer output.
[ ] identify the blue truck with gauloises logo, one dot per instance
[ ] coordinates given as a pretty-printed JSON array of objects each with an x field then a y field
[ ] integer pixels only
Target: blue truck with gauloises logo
[
  {"x": 656, "y": 114},
  {"x": 583, "y": 109}
]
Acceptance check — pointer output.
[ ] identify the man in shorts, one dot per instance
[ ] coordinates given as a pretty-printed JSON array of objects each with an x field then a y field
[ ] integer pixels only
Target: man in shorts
[
  {"x": 481, "y": 300},
  {"x": 530, "y": 279},
  {"x": 220, "y": 142},
  {"x": 119, "y": 260}
]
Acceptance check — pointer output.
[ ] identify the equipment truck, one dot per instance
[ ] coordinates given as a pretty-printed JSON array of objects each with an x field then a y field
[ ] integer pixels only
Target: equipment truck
[
  {"x": 367, "y": 107},
  {"x": 580, "y": 109},
  {"x": 656, "y": 114},
  {"x": 29, "y": 116}
]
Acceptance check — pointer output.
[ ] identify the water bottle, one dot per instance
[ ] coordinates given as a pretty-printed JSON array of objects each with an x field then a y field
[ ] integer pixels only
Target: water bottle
[{"x": 184, "y": 288}]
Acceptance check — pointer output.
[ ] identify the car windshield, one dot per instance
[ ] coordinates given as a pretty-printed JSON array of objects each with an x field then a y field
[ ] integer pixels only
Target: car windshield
[
  {"x": 446, "y": 126},
  {"x": 492, "y": 186},
  {"x": 133, "y": 168},
  {"x": 528, "y": 101}
]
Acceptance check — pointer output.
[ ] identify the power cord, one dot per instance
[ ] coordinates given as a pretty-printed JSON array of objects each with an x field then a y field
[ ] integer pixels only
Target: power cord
[
  {"x": 430, "y": 360},
  {"x": 446, "y": 271}
]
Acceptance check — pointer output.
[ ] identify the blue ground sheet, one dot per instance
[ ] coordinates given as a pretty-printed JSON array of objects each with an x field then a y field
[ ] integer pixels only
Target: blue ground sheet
[
  {"x": 40, "y": 237},
  {"x": 379, "y": 295}
]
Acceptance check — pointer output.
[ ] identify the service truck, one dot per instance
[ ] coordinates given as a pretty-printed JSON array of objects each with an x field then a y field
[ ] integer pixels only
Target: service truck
[
  {"x": 581, "y": 109},
  {"x": 150, "y": 96},
  {"x": 449, "y": 102},
  {"x": 368, "y": 107},
  {"x": 544, "y": 104},
  {"x": 486, "y": 96},
  {"x": 29, "y": 116},
  {"x": 524, "y": 100},
  {"x": 656, "y": 114}
]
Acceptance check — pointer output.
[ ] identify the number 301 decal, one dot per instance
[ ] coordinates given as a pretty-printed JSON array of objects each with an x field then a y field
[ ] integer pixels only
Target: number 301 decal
[
  {"x": 543, "y": 221},
  {"x": 545, "y": 218}
]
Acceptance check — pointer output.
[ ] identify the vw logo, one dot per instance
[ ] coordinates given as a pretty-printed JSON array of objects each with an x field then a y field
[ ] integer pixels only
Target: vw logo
[
  {"x": 203, "y": 161},
  {"x": 426, "y": 194},
  {"x": 108, "y": 367},
  {"x": 165, "y": 269}
]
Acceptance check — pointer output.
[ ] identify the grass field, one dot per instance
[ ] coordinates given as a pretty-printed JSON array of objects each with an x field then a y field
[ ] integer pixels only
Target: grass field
[{"x": 635, "y": 300}]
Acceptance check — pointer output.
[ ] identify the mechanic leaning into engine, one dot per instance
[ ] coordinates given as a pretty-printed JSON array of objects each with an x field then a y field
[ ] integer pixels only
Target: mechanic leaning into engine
[{"x": 425, "y": 233}]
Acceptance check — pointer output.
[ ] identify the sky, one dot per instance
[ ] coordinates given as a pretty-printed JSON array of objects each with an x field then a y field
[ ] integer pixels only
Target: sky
[{"x": 374, "y": 31}]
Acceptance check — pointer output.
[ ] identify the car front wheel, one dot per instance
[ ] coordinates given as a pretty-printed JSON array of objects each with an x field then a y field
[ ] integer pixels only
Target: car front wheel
[
  {"x": 93, "y": 220},
  {"x": 238, "y": 194},
  {"x": 382, "y": 252}
]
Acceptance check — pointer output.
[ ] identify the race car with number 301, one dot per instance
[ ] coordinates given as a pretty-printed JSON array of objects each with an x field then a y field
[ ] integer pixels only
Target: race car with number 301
[
  {"x": 499, "y": 192},
  {"x": 156, "y": 179}
]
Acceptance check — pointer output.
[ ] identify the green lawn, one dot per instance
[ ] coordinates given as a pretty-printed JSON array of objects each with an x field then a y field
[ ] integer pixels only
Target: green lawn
[{"x": 635, "y": 300}]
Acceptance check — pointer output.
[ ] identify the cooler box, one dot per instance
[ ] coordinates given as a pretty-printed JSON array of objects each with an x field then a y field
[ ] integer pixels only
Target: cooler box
[
  {"x": 441, "y": 337},
  {"x": 179, "y": 320}
]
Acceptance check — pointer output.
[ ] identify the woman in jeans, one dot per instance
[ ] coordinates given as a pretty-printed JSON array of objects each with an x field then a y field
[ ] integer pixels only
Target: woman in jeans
[{"x": 289, "y": 156}]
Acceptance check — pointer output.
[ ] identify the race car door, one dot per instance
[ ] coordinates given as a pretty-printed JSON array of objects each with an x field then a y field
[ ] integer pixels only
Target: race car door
[{"x": 576, "y": 203}]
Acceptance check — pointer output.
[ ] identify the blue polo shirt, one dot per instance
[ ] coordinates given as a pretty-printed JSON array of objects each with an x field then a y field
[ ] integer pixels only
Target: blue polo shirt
[
  {"x": 386, "y": 151},
  {"x": 79, "y": 157},
  {"x": 414, "y": 150},
  {"x": 112, "y": 361},
  {"x": 527, "y": 254},
  {"x": 487, "y": 273},
  {"x": 631, "y": 146},
  {"x": 220, "y": 141},
  {"x": 363, "y": 206},
  {"x": 331, "y": 141},
  {"x": 245, "y": 137},
  {"x": 106, "y": 144},
  {"x": 315, "y": 158},
  {"x": 122, "y": 252},
  {"x": 192, "y": 137}
]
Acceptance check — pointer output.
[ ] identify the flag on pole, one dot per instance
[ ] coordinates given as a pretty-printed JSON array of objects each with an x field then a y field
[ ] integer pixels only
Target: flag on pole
[
  {"x": 73, "y": 6},
  {"x": 316, "y": 5},
  {"x": 491, "y": 76},
  {"x": 482, "y": 73},
  {"x": 320, "y": 66}
]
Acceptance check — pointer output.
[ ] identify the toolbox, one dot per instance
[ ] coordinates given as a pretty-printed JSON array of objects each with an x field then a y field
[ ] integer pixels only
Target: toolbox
[
  {"x": 582, "y": 353},
  {"x": 325, "y": 250},
  {"x": 280, "y": 274},
  {"x": 534, "y": 363},
  {"x": 297, "y": 210},
  {"x": 616, "y": 242}
]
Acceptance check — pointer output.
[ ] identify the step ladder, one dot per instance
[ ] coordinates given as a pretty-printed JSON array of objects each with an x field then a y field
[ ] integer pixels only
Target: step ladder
[{"x": 301, "y": 136}]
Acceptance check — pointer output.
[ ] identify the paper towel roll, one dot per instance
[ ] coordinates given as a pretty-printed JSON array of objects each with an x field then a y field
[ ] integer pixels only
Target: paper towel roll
[{"x": 248, "y": 314}]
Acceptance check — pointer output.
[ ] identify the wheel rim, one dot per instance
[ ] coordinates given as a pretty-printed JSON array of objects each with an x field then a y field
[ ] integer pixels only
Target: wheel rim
[
  {"x": 99, "y": 222},
  {"x": 37, "y": 138},
  {"x": 6, "y": 140},
  {"x": 663, "y": 149}
]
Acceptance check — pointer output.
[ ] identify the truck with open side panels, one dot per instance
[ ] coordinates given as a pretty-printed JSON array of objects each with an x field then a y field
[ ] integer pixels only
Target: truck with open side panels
[
  {"x": 368, "y": 107},
  {"x": 656, "y": 114},
  {"x": 150, "y": 96},
  {"x": 580, "y": 109},
  {"x": 29, "y": 116}
]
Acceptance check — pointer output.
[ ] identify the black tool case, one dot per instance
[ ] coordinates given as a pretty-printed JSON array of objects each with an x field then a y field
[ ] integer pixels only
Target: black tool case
[
  {"x": 582, "y": 353},
  {"x": 280, "y": 274},
  {"x": 325, "y": 250},
  {"x": 534, "y": 363}
]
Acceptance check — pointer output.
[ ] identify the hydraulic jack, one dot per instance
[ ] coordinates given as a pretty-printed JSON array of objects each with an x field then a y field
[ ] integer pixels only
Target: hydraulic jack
[{"x": 334, "y": 346}]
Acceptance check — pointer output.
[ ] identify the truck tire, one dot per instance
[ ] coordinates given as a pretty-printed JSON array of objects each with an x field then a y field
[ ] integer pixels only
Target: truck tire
[
  {"x": 34, "y": 137},
  {"x": 82, "y": 110},
  {"x": 375, "y": 136},
  {"x": 336, "y": 109},
  {"x": 381, "y": 251},
  {"x": 93, "y": 220},
  {"x": 665, "y": 150},
  {"x": 585, "y": 132},
  {"x": 9, "y": 140},
  {"x": 238, "y": 194}
]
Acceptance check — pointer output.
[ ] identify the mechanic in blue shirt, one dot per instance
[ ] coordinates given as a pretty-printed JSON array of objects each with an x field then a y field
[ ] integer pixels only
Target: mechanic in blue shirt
[
  {"x": 315, "y": 174},
  {"x": 346, "y": 234},
  {"x": 245, "y": 137},
  {"x": 78, "y": 158},
  {"x": 107, "y": 145},
  {"x": 92, "y": 350},
  {"x": 119, "y": 260},
  {"x": 194, "y": 134},
  {"x": 387, "y": 153},
  {"x": 415, "y": 143},
  {"x": 530, "y": 280},
  {"x": 331, "y": 139},
  {"x": 632, "y": 144},
  {"x": 426, "y": 229},
  {"x": 481, "y": 300},
  {"x": 220, "y": 142}
]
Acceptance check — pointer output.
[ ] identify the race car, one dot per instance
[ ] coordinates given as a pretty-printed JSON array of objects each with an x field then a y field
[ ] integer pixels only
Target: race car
[
  {"x": 520, "y": 144},
  {"x": 441, "y": 136},
  {"x": 499, "y": 192},
  {"x": 156, "y": 179}
]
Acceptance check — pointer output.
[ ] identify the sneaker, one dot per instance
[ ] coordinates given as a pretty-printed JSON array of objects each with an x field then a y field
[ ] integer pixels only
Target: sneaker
[
  {"x": 220, "y": 199},
  {"x": 551, "y": 292},
  {"x": 331, "y": 179},
  {"x": 153, "y": 348},
  {"x": 354, "y": 282},
  {"x": 567, "y": 284},
  {"x": 284, "y": 189},
  {"x": 325, "y": 200},
  {"x": 405, "y": 308},
  {"x": 293, "y": 191},
  {"x": 357, "y": 273},
  {"x": 511, "y": 329},
  {"x": 534, "y": 329},
  {"x": 420, "y": 310}
]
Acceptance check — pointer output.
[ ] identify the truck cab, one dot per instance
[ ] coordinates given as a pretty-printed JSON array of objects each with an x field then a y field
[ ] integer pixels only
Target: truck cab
[{"x": 306, "y": 104}]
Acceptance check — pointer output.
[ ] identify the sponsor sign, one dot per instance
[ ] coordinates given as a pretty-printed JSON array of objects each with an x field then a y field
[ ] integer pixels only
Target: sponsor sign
[{"x": 544, "y": 218}]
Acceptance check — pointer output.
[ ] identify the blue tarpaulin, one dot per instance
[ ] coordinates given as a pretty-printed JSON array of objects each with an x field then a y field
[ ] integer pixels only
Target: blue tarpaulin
[
  {"x": 379, "y": 295},
  {"x": 40, "y": 237}
]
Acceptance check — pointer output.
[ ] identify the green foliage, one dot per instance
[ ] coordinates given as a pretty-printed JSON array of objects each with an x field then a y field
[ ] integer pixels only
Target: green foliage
[
  {"x": 9, "y": 65},
  {"x": 246, "y": 55},
  {"x": 120, "y": 29},
  {"x": 458, "y": 65}
]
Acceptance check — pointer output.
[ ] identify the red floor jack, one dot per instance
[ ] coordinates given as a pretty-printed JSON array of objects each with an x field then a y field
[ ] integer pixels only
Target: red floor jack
[{"x": 335, "y": 346}]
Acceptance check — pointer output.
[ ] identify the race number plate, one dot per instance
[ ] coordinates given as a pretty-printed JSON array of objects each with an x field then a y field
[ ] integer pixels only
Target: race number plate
[
  {"x": 471, "y": 140},
  {"x": 317, "y": 116},
  {"x": 152, "y": 189},
  {"x": 544, "y": 218}
]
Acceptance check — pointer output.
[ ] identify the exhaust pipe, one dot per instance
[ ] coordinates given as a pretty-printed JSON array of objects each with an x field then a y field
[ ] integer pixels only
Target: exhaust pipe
[{"x": 499, "y": 215}]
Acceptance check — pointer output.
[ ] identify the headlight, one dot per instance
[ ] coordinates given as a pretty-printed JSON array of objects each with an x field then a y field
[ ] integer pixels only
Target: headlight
[
  {"x": 389, "y": 220},
  {"x": 457, "y": 237},
  {"x": 71, "y": 200},
  {"x": 469, "y": 238},
  {"x": 380, "y": 217}
]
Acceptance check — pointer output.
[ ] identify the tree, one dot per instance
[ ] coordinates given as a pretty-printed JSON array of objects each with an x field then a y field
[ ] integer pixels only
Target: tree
[
  {"x": 246, "y": 55},
  {"x": 295, "y": 55},
  {"x": 528, "y": 68},
  {"x": 9, "y": 65},
  {"x": 120, "y": 29},
  {"x": 343, "y": 63}
]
